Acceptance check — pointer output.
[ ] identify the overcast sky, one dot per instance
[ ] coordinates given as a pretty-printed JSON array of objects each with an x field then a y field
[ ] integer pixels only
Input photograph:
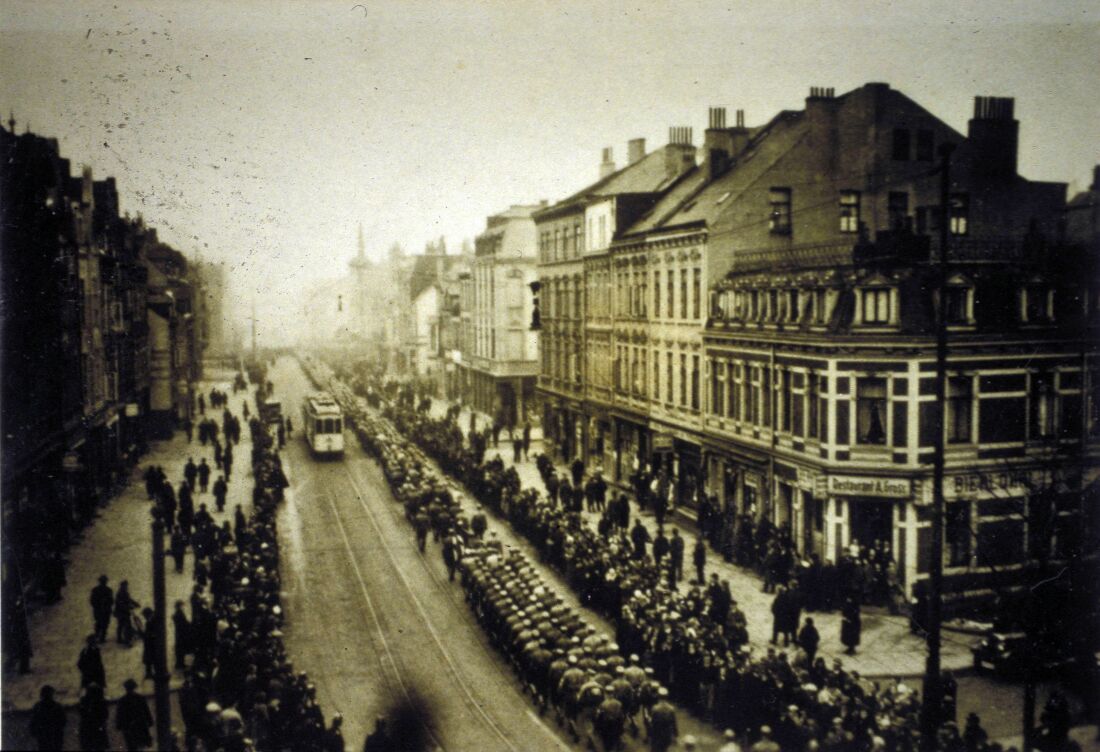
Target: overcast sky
[{"x": 262, "y": 133}]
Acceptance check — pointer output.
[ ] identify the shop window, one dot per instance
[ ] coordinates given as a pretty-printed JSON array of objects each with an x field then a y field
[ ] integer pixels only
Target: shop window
[
  {"x": 1000, "y": 542},
  {"x": 779, "y": 218},
  {"x": 959, "y": 406},
  {"x": 871, "y": 411},
  {"x": 957, "y": 533},
  {"x": 849, "y": 211}
]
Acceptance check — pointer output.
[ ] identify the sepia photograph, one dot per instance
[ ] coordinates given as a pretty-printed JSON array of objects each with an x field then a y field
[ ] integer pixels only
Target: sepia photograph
[{"x": 574, "y": 376}]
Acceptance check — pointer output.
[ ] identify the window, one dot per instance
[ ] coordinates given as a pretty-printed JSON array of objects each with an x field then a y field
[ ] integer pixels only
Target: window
[
  {"x": 871, "y": 411},
  {"x": 668, "y": 370},
  {"x": 785, "y": 397},
  {"x": 1036, "y": 303},
  {"x": 733, "y": 379},
  {"x": 1001, "y": 420},
  {"x": 696, "y": 292},
  {"x": 557, "y": 242},
  {"x": 959, "y": 219},
  {"x": 779, "y": 219},
  {"x": 717, "y": 387},
  {"x": 876, "y": 305},
  {"x": 898, "y": 209},
  {"x": 657, "y": 375},
  {"x": 959, "y": 406},
  {"x": 683, "y": 293},
  {"x": 924, "y": 145},
  {"x": 958, "y": 304},
  {"x": 657, "y": 294},
  {"x": 694, "y": 382},
  {"x": 1041, "y": 405},
  {"x": 683, "y": 381},
  {"x": 849, "y": 211},
  {"x": 578, "y": 238},
  {"x": 901, "y": 145},
  {"x": 957, "y": 533},
  {"x": 671, "y": 294}
]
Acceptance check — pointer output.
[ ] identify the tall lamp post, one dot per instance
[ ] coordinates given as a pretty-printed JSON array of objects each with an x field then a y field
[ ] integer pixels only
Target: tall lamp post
[
  {"x": 932, "y": 709},
  {"x": 161, "y": 676}
]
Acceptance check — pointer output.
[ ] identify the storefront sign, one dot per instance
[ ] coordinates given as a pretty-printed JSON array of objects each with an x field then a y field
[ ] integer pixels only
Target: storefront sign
[
  {"x": 848, "y": 485},
  {"x": 662, "y": 442},
  {"x": 1002, "y": 483}
]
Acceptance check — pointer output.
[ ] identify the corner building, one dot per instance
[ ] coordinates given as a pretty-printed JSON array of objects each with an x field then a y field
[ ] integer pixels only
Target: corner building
[{"x": 819, "y": 346}]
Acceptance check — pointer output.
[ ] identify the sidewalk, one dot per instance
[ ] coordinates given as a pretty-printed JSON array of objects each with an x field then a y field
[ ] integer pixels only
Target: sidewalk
[
  {"x": 119, "y": 544},
  {"x": 887, "y": 647}
]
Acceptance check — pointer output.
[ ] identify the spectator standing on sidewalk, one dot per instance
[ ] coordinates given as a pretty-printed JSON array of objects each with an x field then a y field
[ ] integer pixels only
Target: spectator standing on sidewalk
[
  {"x": 526, "y": 439},
  {"x": 517, "y": 449},
  {"x": 133, "y": 719},
  {"x": 204, "y": 475},
  {"x": 850, "y": 626},
  {"x": 124, "y": 614},
  {"x": 808, "y": 640},
  {"x": 102, "y": 600},
  {"x": 150, "y": 639},
  {"x": 182, "y": 628},
  {"x": 577, "y": 469},
  {"x": 221, "y": 489},
  {"x": 90, "y": 664},
  {"x": 189, "y": 427},
  {"x": 93, "y": 719},
  {"x": 48, "y": 720},
  {"x": 699, "y": 556},
  {"x": 177, "y": 547},
  {"x": 190, "y": 472},
  {"x": 676, "y": 556}
]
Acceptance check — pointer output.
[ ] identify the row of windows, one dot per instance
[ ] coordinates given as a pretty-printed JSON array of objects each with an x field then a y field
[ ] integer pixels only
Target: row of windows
[
  {"x": 673, "y": 377},
  {"x": 851, "y": 212},
  {"x": 988, "y": 409},
  {"x": 677, "y": 294},
  {"x": 562, "y": 242}
]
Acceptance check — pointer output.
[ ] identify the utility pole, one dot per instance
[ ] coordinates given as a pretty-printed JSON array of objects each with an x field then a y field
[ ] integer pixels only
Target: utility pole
[
  {"x": 932, "y": 710},
  {"x": 161, "y": 675}
]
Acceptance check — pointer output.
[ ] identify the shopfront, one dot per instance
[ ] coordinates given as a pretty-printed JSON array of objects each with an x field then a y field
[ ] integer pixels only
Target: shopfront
[{"x": 866, "y": 513}]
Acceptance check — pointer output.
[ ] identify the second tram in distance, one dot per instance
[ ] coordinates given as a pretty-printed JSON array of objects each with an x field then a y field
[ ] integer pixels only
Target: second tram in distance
[{"x": 323, "y": 425}]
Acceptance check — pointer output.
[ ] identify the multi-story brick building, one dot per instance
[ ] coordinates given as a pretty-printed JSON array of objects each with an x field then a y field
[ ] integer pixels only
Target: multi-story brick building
[
  {"x": 576, "y": 275},
  {"x": 820, "y": 345}
]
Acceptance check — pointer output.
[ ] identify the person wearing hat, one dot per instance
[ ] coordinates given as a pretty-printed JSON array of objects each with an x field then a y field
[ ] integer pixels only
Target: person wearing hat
[
  {"x": 90, "y": 663},
  {"x": 102, "y": 600},
  {"x": 47, "y": 720},
  {"x": 334, "y": 738},
  {"x": 133, "y": 719},
  {"x": 662, "y": 723},
  {"x": 765, "y": 743},
  {"x": 610, "y": 720},
  {"x": 729, "y": 742},
  {"x": 92, "y": 729}
]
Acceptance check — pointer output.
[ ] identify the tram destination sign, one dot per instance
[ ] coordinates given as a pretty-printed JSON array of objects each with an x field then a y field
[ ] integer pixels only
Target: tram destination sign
[{"x": 851, "y": 485}]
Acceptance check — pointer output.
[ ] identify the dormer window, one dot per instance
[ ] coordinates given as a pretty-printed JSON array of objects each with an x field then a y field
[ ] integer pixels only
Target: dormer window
[
  {"x": 1038, "y": 303},
  {"x": 779, "y": 220},
  {"x": 959, "y": 301},
  {"x": 849, "y": 211},
  {"x": 876, "y": 304}
]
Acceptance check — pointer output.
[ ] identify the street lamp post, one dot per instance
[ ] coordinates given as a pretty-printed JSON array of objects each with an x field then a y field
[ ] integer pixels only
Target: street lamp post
[
  {"x": 161, "y": 675},
  {"x": 932, "y": 709}
]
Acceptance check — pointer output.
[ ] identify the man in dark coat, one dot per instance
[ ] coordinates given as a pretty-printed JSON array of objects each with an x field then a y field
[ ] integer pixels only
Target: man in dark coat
[
  {"x": 182, "y": 628},
  {"x": 577, "y": 468},
  {"x": 851, "y": 626},
  {"x": 779, "y": 614},
  {"x": 190, "y": 472},
  {"x": 102, "y": 600},
  {"x": 676, "y": 555},
  {"x": 90, "y": 664},
  {"x": 660, "y": 546},
  {"x": 639, "y": 536},
  {"x": 699, "y": 556},
  {"x": 808, "y": 640},
  {"x": 221, "y": 489},
  {"x": 133, "y": 719},
  {"x": 48, "y": 720},
  {"x": 526, "y": 439},
  {"x": 662, "y": 723},
  {"x": 93, "y": 719},
  {"x": 204, "y": 475}
]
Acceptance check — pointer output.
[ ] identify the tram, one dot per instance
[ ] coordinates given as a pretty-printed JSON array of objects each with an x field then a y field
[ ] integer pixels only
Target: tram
[{"x": 323, "y": 425}]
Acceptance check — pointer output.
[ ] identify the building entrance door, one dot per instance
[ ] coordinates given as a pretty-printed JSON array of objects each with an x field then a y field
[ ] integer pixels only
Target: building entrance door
[{"x": 871, "y": 521}]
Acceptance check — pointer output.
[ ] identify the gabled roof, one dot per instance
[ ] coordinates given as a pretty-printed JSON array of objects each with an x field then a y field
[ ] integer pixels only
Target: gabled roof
[
  {"x": 695, "y": 201},
  {"x": 648, "y": 175}
]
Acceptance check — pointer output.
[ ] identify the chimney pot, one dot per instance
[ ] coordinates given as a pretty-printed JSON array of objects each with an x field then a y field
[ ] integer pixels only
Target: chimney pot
[{"x": 607, "y": 166}]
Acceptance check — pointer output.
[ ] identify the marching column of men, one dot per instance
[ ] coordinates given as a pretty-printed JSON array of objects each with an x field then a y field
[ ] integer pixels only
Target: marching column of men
[{"x": 692, "y": 644}]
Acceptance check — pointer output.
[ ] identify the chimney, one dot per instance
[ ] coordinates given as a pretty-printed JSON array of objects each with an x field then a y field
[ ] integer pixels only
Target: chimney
[
  {"x": 607, "y": 166},
  {"x": 722, "y": 144},
  {"x": 680, "y": 152},
  {"x": 635, "y": 150},
  {"x": 994, "y": 136}
]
